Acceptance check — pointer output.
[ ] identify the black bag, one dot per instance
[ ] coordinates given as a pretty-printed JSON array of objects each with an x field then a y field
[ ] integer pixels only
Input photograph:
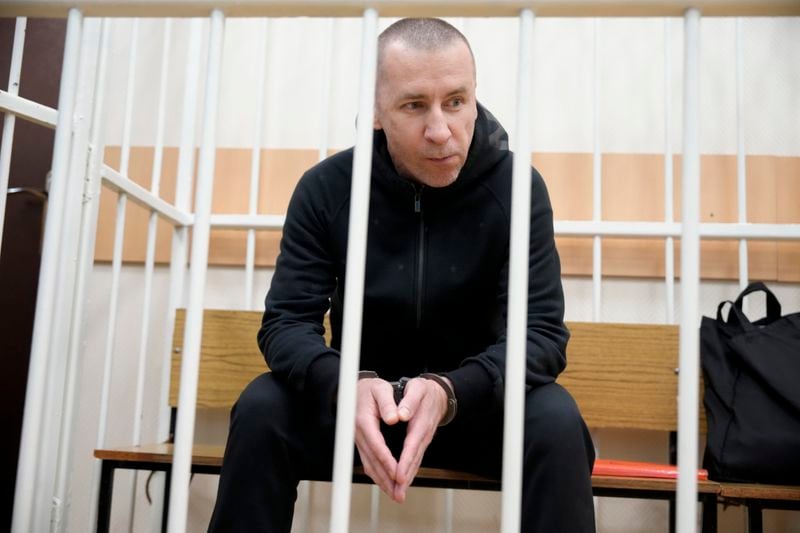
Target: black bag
[{"x": 752, "y": 393}]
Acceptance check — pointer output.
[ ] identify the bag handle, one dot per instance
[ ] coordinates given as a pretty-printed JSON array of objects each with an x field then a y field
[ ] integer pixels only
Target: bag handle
[
  {"x": 719, "y": 310},
  {"x": 773, "y": 305},
  {"x": 736, "y": 315}
]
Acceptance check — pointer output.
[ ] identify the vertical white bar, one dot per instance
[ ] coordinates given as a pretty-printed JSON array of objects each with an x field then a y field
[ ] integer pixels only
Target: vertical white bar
[
  {"x": 149, "y": 263},
  {"x": 64, "y": 298},
  {"x": 374, "y": 508},
  {"x": 129, "y": 93},
  {"x": 183, "y": 191},
  {"x": 116, "y": 271},
  {"x": 597, "y": 184},
  {"x": 10, "y": 119},
  {"x": 108, "y": 353},
  {"x": 669, "y": 245},
  {"x": 88, "y": 104},
  {"x": 303, "y": 506},
  {"x": 519, "y": 256},
  {"x": 354, "y": 285},
  {"x": 151, "y": 239},
  {"x": 27, "y": 491},
  {"x": 190, "y": 365},
  {"x": 741, "y": 166},
  {"x": 449, "y": 496},
  {"x": 690, "y": 282},
  {"x": 158, "y": 156},
  {"x": 177, "y": 273},
  {"x": 255, "y": 164},
  {"x": 325, "y": 90}
]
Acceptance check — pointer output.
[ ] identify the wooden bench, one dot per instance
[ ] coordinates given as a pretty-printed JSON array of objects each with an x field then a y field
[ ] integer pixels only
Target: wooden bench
[{"x": 622, "y": 376}]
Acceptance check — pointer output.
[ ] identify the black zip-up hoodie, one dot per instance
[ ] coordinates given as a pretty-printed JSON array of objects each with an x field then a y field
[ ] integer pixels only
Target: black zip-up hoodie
[{"x": 436, "y": 277}]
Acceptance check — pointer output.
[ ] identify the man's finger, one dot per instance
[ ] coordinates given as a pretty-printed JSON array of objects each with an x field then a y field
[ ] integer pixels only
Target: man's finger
[
  {"x": 379, "y": 464},
  {"x": 370, "y": 439},
  {"x": 374, "y": 470},
  {"x": 377, "y": 460},
  {"x": 403, "y": 481},
  {"x": 383, "y": 394},
  {"x": 408, "y": 406},
  {"x": 413, "y": 449}
]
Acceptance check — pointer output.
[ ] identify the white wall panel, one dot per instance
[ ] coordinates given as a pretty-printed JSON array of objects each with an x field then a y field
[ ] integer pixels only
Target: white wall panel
[
  {"x": 146, "y": 97},
  {"x": 631, "y": 85},
  {"x": 631, "y": 82},
  {"x": 771, "y": 50},
  {"x": 718, "y": 86}
]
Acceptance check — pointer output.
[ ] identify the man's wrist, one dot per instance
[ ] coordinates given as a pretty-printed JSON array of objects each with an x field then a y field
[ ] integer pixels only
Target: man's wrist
[{"x": 452, "y": 403}]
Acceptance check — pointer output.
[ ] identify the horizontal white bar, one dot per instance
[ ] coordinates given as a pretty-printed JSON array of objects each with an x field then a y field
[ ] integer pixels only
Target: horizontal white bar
[
  {"x": 750, "y": 231},
  {"x": 141, "y": 196},
  {"x": 394, "y": 8},
  {"x": 28, "y": 109},
  {"x": 580, "y": 228},
  {"x": 587, "y": 228},
  {"x": 563, "y": 228},
  {"x": 245, "y": 222}
]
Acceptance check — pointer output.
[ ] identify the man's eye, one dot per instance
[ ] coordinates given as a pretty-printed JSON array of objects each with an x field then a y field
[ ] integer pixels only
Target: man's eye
[
  {"x": 411, "y": 106},
  {"x": 457, "y": 102}
]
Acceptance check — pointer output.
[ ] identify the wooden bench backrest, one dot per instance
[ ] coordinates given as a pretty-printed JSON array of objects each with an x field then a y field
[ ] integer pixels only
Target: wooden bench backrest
[
  {"x": 229, "y": 356},
  {"x": 621, "y": 375},
  {"x": 624, "y": 375}
]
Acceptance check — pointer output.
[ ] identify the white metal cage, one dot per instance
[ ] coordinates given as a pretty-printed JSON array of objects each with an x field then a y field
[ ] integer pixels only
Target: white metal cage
[{"x": 78, "y": 172}]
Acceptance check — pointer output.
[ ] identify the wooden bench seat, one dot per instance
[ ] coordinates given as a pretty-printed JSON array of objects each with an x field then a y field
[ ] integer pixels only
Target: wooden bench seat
[
  {"x": 208, "y": 459},
  {"x": 621, "y": 375}
]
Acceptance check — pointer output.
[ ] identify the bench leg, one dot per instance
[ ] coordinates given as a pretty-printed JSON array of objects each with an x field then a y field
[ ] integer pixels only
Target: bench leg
[
  {"x": 754, "y": 524},
  {"x": 710, "y": 514},
  {"x": 105, "y": 496},
  {"x": 165, "y": 508},
  {"x": 672, "y": 515}
]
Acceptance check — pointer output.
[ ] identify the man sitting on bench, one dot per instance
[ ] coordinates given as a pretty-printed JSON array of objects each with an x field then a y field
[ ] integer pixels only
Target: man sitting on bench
[{"x": 433, "y": 345}]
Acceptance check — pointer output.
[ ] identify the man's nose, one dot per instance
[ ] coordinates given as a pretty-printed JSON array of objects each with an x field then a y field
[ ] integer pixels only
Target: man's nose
[{"x": 437, "y": 130}]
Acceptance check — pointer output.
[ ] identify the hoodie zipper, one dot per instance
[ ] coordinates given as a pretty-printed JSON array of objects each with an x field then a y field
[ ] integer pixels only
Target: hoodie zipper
[{"x": 421, "y": 251}]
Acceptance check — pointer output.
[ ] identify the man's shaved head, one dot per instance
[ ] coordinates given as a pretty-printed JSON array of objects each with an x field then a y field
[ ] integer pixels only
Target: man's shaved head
[
  {"x": 420, "y": 34},
  {"x": 425, "y": 99}
]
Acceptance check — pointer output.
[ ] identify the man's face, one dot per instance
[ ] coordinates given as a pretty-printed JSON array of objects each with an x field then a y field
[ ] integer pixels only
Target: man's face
[{"x": 426, "y": 107}]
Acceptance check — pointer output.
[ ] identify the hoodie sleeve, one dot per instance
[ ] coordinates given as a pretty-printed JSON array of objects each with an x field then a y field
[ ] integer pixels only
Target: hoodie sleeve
[
  {"x": 478, "y": 382},
  {"x": 291, "y": 334}
]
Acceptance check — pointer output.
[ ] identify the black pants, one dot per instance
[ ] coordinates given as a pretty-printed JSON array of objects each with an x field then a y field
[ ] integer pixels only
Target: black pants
[{"x": 276, "y": 440}]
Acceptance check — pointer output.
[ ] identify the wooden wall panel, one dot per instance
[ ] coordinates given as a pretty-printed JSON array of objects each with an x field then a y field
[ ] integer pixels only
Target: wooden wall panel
[
  {"x": 569, "y": 182},
  {"x": 136, "y": 218},
  {"x": 633, "y": 189},
  {"x": 787, "y": 176},
  {"x": 569, "y": 177},
  {"x": 719, "y": 203},
  {"x": 279, "y": 172},
  {"x": 762, "y": 194}
]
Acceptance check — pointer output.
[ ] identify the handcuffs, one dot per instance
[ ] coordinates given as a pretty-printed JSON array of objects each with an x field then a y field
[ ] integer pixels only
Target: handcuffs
[{"x": 399, "y": 388}]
